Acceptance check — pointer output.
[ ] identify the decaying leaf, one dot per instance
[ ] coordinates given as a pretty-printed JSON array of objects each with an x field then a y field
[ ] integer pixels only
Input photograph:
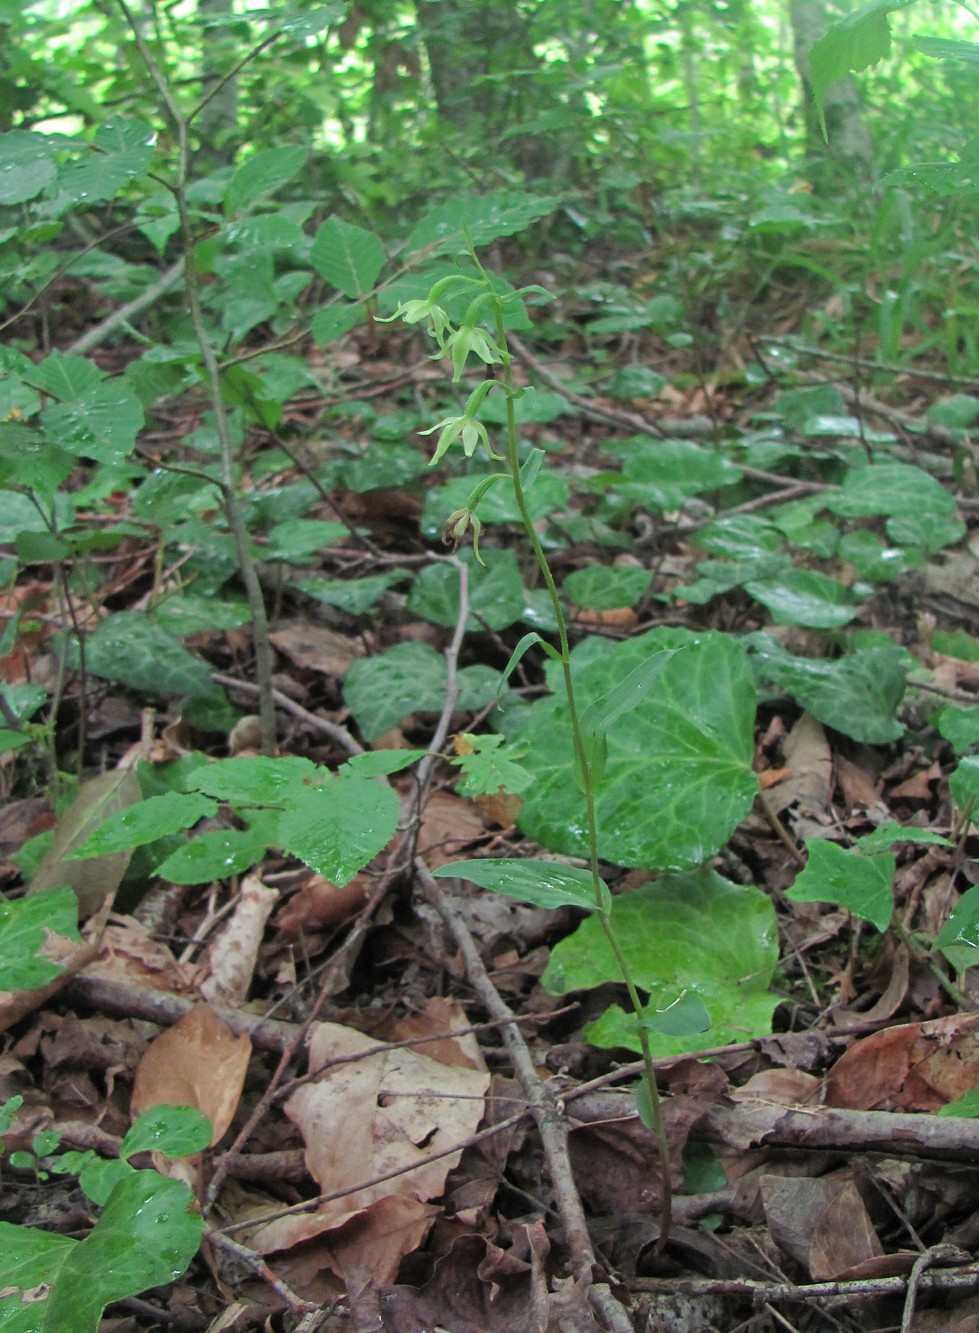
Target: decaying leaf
[
  {"x": 914, "y": 1067},
  {"x": 393, "y": 1112},
  {"x": 822, "y": 1224},
  {"x": 95, "y": 877},
  {"x": 198, "y": 1062},
  {"x": 232, "y": 955}
]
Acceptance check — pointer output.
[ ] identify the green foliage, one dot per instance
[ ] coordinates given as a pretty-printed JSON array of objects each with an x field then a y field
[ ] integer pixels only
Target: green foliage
[
  {"x": 26, "y": 926},
  {"x": 678, "y": 777},
  {"x": 146, "y": 1235},
  {"x": 693, "y": 932}
]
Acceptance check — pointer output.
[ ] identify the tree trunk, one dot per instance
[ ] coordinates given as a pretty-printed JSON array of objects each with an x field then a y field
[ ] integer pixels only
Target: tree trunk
[{"x": 847, "y": 159}]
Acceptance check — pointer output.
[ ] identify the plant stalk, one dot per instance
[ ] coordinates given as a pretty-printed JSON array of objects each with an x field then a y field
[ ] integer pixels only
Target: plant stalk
[{"x": 655, "y": 1116}]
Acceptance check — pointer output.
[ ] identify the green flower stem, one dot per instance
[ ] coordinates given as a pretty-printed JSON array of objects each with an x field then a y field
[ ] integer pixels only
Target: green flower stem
[{"x": 649, "y": 1076}]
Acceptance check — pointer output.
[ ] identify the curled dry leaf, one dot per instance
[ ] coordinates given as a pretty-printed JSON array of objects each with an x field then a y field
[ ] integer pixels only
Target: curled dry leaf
[
  {"x": 232, "y": 955},
  {"x": 823, "y": 1224},
  {"x": 914, "y": 1067},
  {"x": 198, "y": 1062},
  {"x": 319, "y": 905},
  {"x": 385, "y": 1113}
]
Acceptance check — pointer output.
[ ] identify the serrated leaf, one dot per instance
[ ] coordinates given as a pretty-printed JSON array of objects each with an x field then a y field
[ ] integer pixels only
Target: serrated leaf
[
  {"x": 333, "y": 321},
  {"x": 214, "y": 855},
  {"x": 543, "y": 883},
  {"x": 477, "y": 219},
  {"x": 380, "y": 763},
  {"x": 253, "y": 779},
  {"x": 261, "y": 174},
  {"x": 92, "y": 879},
  {"x": 863, "y": 884},
  {"x": 26, "y": 166},
  {"x": 347, "y": 256},
  {"x": 856, "y": 41},
  {"x": 695, "y": 932},
  {"x": 146, "y": 821},
  {"x": 175, "y": 1131},
  {"x": 26, "y": 926},
  {"x": 338, "y": 827},
  {"x": 678, "y": 779}
]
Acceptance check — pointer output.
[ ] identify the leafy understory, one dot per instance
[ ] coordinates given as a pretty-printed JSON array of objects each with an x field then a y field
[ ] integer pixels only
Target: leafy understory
[{"x": 451, "y": 648}]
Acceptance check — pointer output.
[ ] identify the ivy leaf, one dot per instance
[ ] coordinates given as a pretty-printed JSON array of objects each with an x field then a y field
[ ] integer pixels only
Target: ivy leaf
[
  {"x": 695, "y": 932},
  {"x": 863, "y": 884}
]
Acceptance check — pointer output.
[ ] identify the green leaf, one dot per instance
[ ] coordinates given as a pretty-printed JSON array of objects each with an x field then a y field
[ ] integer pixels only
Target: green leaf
[
  {"x": 133, "y": 649},
  {"x": 930, "y": 531},
  {"x": 956, "y": 643},
  {"x": 695, "y": 932},
  {"x": 26, "y": 926},
  {"x": 496, "y": 592},
  {"x": 960, "y": 726},
  {"x": 964, "y": 782},
  {"x": 409, "y": 678},
  {"x": 895, "y": 489},
  {"x": 805, "y": 597},
  {"x": 175, "y": 1131},
  {"x": 966, "y": 1105},
  {"x": 741, "y": 537},
  {"x": 685, "y": 1017},
  {"x": 145, "y": 822},
  {"x": 863, "y": 884},
  {"x": 26, "y": 166},
  {"x": 543, "y": 883},
  {"x": 607, "y": 587},
  {"x": 146, "y": 1237},
  {"x": 102, "y": 424},
  {"x": 340, "y": 826},
  {"x": 857, "y": 694},
  {"x": 491, "y": 767},
  {"x": 478, "y": 219},
  {"x": 380, "y": 763},
  {"x": 890, "y": 833},
  {"x": 853, "y": 43},
  {"x": 347, "y": 256},
  {"x": 547, "y": 496},
  {"x": 678, "y": 779},
  {"x": 958, "y": 939},
  {"x": 214, "y": 855},
  {"x": 333, "y": 321},
  {"x": 662, "y": 474},
  {"x": 262, "y": 174},
  {"x": 355, "y": 596},
  {"x": 298, "y": 538},
  {"x": 254, "y": 779}
]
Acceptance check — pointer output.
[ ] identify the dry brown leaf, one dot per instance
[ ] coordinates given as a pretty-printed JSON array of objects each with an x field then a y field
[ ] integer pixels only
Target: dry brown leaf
[
  {"x": 320, "y": 904},
  {"x": 809, "y": 781},
  {"x": 822, "y": 1224},
  {"x": 914, "y": 1067},
  {"x": 232, "y": 955},
  {"x": 198, "y": 1062},
  {"x": 316, "y": 648},
  {"x": 372, "y": 1117},
  {"x": 448, "y": 824},
  {"x": 129, "y": 953},
  {"x": 441, "y": 1016},
  {"x": 786, "y": 1087}
]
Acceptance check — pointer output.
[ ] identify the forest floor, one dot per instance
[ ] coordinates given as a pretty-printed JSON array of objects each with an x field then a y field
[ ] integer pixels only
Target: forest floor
[{"x": 485, "y": 1170}]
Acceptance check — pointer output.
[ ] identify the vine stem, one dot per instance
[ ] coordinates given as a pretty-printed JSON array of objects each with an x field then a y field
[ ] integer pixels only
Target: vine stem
[{"x": 651, "y": 1113}]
